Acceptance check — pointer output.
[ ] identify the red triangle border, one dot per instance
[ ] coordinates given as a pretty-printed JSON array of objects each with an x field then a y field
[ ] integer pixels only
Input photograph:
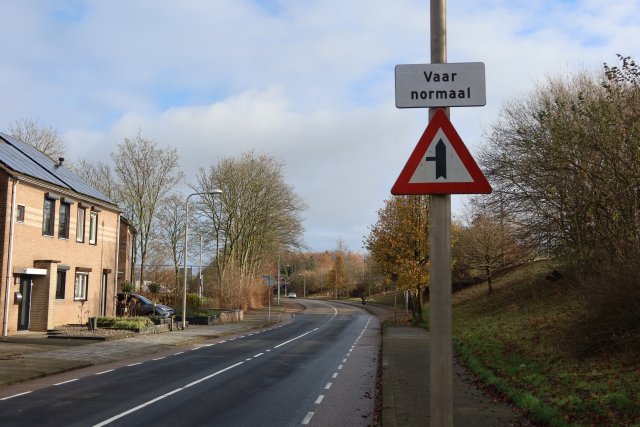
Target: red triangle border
[{"x": 479, "y": 185}]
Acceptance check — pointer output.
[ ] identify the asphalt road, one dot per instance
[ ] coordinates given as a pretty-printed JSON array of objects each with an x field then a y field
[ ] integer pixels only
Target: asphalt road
[{"x": 319, "y": 369}]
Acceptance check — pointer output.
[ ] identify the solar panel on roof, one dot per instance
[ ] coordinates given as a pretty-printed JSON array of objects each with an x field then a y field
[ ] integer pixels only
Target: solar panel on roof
[{"x": 30, "y": 161}]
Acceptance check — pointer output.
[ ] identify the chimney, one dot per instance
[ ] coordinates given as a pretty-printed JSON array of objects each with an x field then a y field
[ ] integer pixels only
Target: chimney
[{"x": 61, "y": 160}]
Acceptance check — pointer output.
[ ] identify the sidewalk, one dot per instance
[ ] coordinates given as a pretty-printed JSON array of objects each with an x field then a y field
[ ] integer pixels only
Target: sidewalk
[
  {"x": 31, "y": 355},
  {"x": 405, "y": 383}
]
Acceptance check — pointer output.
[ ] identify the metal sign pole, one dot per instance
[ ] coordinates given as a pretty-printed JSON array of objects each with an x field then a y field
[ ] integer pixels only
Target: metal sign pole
[{"x": 441, "y": 346}]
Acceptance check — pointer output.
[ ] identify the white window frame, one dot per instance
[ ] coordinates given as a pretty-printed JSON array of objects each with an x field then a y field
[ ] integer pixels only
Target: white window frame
[
  {"x": 49, "y": 222},
  {"x": 64, "y": 223},
  {"x": 80, "y": 225},
  {"x": 81, "y": 286},
  {"x": 20, "y": 212},
  {"x": 93, "y": 228}
]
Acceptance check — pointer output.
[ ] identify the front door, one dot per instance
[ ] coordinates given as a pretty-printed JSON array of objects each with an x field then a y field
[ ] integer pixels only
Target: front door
[{"x": 24, "y": 309}]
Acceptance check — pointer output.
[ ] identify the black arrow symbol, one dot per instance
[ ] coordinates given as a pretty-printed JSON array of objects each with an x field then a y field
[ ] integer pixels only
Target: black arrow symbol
[{"x": 440, "y": 159}]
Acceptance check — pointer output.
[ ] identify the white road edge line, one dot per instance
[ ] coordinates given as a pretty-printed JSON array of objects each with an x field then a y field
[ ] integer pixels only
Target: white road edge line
[
  {"x": 319, "y": 399},
  {"x": 328, "y": 386},
  {"x": 132, "y": 410},
  {"x": 104, "y": 372},
  {"x": 212, "y": 375},
  {"x": 307, "y": 418},
  {"x": 66, "y": 382},
  {"x": 292, "y": 339},
  {"x": 15, "y": 395},
  {"x": 334, "y": 376}
]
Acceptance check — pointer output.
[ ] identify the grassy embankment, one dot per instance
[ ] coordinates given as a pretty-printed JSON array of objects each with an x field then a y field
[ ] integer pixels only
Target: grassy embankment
[{"x": 523, "y": 342}]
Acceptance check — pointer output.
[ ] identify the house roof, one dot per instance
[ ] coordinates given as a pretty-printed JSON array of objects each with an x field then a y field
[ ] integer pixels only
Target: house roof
[{"x": 28, "y": 160}]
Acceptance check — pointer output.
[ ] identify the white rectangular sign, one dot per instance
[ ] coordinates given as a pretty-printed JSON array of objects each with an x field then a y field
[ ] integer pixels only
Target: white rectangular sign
[{"x": 440, "y": 85}]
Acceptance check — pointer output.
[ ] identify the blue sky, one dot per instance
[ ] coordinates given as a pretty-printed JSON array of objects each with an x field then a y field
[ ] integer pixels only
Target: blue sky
[{"x": 309, "y": 82}]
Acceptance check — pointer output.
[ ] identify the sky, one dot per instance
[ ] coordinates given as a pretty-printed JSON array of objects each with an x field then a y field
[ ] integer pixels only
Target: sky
[{"x": 308, "y": 82}]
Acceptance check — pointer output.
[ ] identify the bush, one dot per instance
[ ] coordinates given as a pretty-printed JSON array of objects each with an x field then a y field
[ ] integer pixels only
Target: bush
[
  {"x": 194, "y": 301},
  {"x": 154, "y": 287},
  {"x": 132, "y": 323},
  {"x": 127, "y": 323},
  {"x": 126, "y": 287},
  {"x": 612, "y": 318}
]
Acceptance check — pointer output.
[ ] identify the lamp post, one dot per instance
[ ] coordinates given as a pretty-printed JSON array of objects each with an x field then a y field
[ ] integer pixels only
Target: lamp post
[{"x": 186, "y": 242}]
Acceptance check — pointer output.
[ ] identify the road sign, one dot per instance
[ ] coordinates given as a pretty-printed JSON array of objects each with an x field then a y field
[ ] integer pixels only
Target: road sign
[
  {"x": 441, "y": 164},
  {"x": 440, "y": 85}
]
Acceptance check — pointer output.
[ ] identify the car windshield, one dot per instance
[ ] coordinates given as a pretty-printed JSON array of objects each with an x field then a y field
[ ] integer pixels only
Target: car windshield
[{"x": 142, "y": 299}]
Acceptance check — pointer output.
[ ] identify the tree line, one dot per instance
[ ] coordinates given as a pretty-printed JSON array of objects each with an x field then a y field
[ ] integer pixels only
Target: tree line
[{"x": 256, "y": 216}]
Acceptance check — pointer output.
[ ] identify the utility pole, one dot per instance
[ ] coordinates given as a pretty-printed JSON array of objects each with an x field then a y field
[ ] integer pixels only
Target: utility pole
[
  {"x": 200, "y": 268},
  {"x": 278, "y": 299},
  {"x": 441, "y": 345},
  {"x": 434, "y": 172}
]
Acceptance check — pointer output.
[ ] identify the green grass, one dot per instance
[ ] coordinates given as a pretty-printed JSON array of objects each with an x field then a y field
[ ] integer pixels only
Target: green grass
[{"x": 521, "y": 334}]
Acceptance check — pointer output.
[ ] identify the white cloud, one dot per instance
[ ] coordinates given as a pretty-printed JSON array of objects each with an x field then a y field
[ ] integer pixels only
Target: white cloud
[{"x": 309, "y": 82}]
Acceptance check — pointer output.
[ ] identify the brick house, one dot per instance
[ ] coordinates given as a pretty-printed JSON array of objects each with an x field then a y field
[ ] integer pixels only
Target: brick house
[{"x": 59, "y": 242}]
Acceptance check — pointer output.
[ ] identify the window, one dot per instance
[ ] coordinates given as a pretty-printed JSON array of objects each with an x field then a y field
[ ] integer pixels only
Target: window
[
  {"x": 93, "y": 228},
  {"x": 63, "y": 221},
  {"x": 48, "y": 216},
  {"x": 60, "y": 284},
  {"x": 20, "y": 213},
  {"x": 80, "y": 225},
  {"x": 80, "y": 291}
]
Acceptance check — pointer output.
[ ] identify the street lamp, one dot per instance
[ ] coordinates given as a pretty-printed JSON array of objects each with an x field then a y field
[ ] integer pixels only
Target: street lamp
[{"x": 186, "y": 241}]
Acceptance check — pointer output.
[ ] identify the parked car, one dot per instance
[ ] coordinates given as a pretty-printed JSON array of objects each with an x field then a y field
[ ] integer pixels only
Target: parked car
[
  {"x": 292, "y": 295},
  {"x": 136, "y": 304}
]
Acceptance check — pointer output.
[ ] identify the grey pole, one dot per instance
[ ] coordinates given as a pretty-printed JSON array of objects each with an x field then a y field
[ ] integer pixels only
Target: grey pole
[
  {"x": 278, "y": 299},
  {"x": 200, "y": 268},
  {"x": 186, "y": 242},
  {"x": 441, "y": 346}
]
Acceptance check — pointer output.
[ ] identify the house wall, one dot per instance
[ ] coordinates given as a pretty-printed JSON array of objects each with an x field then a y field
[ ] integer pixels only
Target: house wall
[
  {"x": 124, "y": 254},
  {"x": 34, "y": 250}
]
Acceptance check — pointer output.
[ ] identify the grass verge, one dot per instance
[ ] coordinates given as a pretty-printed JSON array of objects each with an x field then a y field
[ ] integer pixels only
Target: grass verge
[{"x": 519, "y": 341}]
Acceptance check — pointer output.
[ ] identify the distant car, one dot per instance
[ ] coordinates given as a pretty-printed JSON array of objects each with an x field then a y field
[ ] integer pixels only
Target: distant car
[
  {"x": 142, "y": 306},
  {"x": 292, "y": 295}
]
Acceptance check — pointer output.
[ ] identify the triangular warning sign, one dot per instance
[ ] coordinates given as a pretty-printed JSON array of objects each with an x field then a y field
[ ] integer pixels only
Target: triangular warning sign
[{"x": 441, "y": 164}]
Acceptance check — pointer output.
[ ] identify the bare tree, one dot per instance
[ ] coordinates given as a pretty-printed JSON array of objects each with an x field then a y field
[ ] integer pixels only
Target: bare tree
[
  {"x": 170, "y": 235},
  {"x": 564, "y": 162},
  {"x": 45, "y": 139},
  {"x": 488, "y": 245},
  {"x": 146, "y": 175},
  {"x": 257, "y": 214},
  {"x": 100, "y": 176}
]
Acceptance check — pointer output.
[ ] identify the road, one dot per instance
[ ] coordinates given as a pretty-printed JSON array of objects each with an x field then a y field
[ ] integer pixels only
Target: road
[{"x": 319, "y": 369}]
